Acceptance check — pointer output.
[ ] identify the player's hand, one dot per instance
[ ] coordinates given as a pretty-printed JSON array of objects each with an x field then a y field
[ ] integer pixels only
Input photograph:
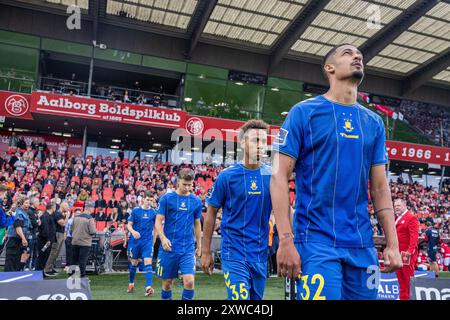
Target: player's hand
[
  {"x": 167, "y": 245},
  {"x": 392, "y": 260},
  {"x": 207, "y": 263},
  {"x": 136, "y": 235},
  {"x": 198, "y": 251},
  {"x": 24, "y": 243},
  {"x": 288, "y": 259}
]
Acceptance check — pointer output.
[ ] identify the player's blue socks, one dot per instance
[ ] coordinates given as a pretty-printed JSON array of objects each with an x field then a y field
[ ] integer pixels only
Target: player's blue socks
[
  {"x": 187, "y": 294},
  {"x": 133, "y": 270},
  {"x": 148, "y": 275},
  {"x": 166, "y": 295}
]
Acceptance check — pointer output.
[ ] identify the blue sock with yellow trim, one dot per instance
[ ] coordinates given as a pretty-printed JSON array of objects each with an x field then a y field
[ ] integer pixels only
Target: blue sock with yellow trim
[
  {"x": 133, "y": 270},
  {"x": 148, "y": 275}
]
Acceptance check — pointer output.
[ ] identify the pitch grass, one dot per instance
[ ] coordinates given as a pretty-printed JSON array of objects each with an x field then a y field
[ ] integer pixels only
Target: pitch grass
[{"x": 114, "y": 287}]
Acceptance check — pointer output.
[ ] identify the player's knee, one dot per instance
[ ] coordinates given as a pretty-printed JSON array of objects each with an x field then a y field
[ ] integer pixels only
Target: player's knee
[
  {"x": 147, "y": 262},
  {"x": 188, "y": 283},
  {"x": 167, "y": 284},
  {"x": 134, "y": 263}
]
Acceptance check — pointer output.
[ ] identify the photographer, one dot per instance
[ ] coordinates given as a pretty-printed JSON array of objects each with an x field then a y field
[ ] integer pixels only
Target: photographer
[
  {"x": 17, "y": 251},
  {"x": 46, "y": 236}
]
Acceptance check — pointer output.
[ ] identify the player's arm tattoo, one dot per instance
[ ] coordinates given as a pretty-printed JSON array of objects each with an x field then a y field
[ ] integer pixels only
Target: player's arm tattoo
[
  {"x": 287, "y": 235},
  {"x": 384, "y": 209}
]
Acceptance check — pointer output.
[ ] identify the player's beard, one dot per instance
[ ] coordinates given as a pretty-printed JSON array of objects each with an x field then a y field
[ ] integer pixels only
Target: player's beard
[{"x": 358, "y": 75}]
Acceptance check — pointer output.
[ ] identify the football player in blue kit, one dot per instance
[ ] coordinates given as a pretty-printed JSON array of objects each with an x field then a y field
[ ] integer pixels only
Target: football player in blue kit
[
  {"x": 242, "y": 191},
  {"x": 177, "y": 222},
  {"x": 336, "y": 146},
  {"x": 142, "y": 238}
]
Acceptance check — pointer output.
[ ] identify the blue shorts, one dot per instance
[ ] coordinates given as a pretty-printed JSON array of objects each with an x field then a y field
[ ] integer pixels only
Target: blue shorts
[
  {"x": 431, "y": 255},
  {"x": 140, "y": 249},
  {"x": 244, "y": 280},
  {"x": 168, "y": 264},
  {"x": 330, "y": 273}
]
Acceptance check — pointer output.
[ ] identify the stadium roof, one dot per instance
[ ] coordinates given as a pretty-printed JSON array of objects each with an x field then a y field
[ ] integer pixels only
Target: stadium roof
[{"x": 406, "y": 38}]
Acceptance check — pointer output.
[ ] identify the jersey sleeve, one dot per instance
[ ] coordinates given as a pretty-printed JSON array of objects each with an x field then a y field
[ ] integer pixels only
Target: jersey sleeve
[
  {"x": 162, "y": 208},
  {"x": 198, "y": 210},
  {"x": 217, "y": 195},
  {"x": 132, "y": 215},
  {"x": 379, "y": 148},
  {"x": 290, "y": 136}
]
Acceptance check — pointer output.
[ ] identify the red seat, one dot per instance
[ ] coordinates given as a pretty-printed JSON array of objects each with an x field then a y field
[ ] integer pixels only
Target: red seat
[
  {"x": 86, "y": 180},
  {"x": 118, "y": 195},
  {"x": 107, "y": 194},
  {"x": 100, "y": 225},
  {"x": 109, "y": 211},
  {"x": 42, "y": 208}
]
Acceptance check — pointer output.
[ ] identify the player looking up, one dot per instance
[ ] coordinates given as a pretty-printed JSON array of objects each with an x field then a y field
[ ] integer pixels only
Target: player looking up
[{"x": 335, "y": 146}]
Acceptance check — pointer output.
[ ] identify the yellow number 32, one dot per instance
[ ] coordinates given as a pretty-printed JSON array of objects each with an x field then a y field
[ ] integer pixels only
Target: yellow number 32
[{"x": 315, "y": 278}]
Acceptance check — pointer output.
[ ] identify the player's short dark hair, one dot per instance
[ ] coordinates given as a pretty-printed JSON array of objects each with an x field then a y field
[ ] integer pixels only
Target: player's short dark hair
[
  {"x": 50, "y": 206},
  {"x": 186, "y": 174},
  {"x": 329, "y": 54},
  {"x": 252, "y": 124},
  {"x": 148, "y": 194}
]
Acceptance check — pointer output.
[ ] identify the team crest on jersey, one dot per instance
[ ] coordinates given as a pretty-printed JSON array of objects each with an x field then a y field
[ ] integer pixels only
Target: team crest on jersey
[
  {"x": 183, "y": 206},
  {"x": 254, "y": 187},
  {"x": 348, "y": 128},
  {"x": 348, "y": 125}
]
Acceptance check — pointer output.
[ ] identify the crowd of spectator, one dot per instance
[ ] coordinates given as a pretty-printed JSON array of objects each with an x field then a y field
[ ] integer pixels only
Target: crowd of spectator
[
  {"x": 427, "y": 203},
  {"x": 427, "y": 118},
  {"x": 109, "y": 188}
]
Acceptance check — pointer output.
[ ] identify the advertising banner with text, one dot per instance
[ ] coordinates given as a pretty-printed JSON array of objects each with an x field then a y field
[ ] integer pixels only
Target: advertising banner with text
[
  {"x": 417, "y": 153},
  {"x": 82, "y": 107}
]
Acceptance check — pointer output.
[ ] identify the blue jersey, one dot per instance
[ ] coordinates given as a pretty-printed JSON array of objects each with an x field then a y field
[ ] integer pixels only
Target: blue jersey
[
  {"x": 334, "y": 146},
  {"x": 244, "y": 195},
  {"x": 143, "y": 222},
  {"x": 179, "y": 213}
]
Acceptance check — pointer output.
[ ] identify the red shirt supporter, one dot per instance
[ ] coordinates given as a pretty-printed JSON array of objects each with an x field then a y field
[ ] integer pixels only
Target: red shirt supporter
[
  {"x": 422, "y": 259},
  {"x": 407, "y": 226},
  {"x": 445, "y": 252}
]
